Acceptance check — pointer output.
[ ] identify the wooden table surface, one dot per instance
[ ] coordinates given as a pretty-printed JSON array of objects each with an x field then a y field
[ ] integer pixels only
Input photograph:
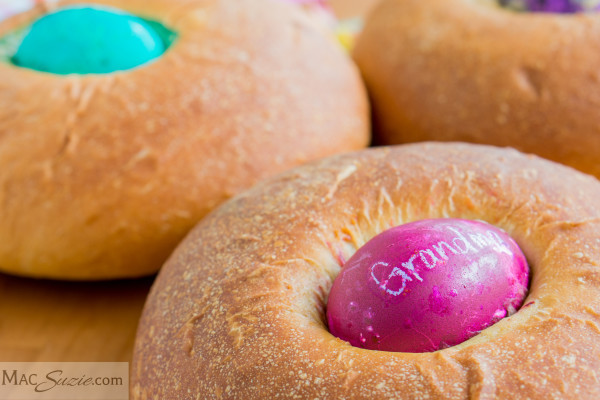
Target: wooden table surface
[
  {"x": 69, "y": 321},
  {"x": 73, "y": 321}
]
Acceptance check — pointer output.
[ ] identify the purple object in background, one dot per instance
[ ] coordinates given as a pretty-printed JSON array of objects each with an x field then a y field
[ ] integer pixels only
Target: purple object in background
[
  {"x": 552, "y": 6},
  {"x": 427, "y": 285}
]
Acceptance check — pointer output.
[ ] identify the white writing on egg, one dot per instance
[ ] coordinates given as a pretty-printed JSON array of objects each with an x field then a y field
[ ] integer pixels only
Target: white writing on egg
[{"x": 440, "y": 252}]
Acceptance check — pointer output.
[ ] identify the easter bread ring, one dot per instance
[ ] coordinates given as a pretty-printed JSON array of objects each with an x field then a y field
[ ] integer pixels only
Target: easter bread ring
[
  {"x": 473, "y": 71},
  {"x": 238, "y": 311},
  {"x": 101, "y": 175}
]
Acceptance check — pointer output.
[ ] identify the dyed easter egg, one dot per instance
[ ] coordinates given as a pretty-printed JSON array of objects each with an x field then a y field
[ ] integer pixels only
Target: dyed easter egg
[
  {"x": 88, "y": 40},
  {"x": 427, "y": 285},
  {"x": 553, "y": 6}
]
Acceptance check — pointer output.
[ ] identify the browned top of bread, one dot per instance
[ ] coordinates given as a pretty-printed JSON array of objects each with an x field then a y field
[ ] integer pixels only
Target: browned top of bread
[
  {"x": 101, "y": 175},
  {"x": 468, "y": 70},
  {"x": 238, "y": 310}
]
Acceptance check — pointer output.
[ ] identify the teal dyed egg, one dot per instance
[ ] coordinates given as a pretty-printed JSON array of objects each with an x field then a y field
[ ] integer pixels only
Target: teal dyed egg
[{"x": 88, "y": 40}]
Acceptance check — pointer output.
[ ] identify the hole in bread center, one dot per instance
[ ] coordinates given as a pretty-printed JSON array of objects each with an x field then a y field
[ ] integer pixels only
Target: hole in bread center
[
  {"x": 552, "y": 6},
  {"x": 427, "y": 285},
  {"x": 86, "y": 40}
]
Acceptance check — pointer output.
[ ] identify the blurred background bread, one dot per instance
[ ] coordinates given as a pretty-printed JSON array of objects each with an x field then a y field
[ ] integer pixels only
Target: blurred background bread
[
  {"x": 101, "y": 175},
  {"x": 463, "y": 70}
]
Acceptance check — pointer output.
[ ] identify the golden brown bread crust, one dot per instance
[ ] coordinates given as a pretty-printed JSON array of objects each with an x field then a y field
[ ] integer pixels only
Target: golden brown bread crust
[
  {"x": 464, "y": 70},
  {"x": 101, "y": 175},
  {"x": 238, "y": 310}
]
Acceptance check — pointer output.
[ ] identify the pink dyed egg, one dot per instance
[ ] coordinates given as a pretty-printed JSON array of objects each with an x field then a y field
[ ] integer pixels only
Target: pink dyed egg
[{"x": 427, "y": 285}]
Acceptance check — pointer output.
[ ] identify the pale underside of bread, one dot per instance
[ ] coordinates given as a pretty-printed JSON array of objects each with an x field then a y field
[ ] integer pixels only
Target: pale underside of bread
[
  {"x": 238, "y": 309},
  {"x": 101, "y": 175},
  {"x": 466, "y": 70}
]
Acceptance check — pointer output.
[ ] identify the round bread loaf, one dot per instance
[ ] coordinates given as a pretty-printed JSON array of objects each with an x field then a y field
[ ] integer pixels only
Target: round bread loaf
[
  {"x": 469, "y": 70},
  {"x": 238, "y": 311},
  {"x": 102, "y": 174}
]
